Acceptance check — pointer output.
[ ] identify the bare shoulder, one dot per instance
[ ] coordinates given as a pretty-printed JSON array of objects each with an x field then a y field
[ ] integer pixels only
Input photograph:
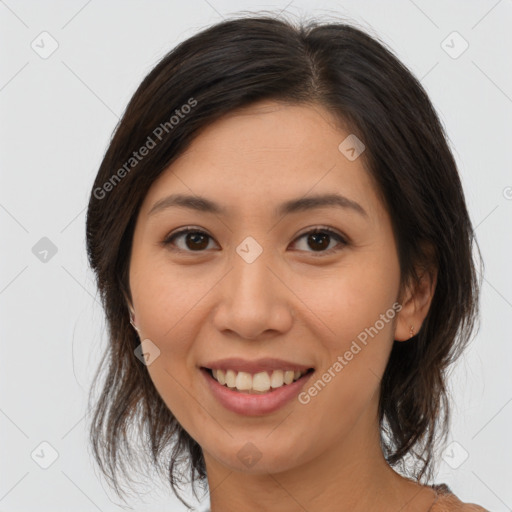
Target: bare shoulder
[{"x": 450, "y": 503}]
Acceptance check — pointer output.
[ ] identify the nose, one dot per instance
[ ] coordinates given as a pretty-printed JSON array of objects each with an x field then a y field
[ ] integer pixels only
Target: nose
[{"x": 254, "y": 303}]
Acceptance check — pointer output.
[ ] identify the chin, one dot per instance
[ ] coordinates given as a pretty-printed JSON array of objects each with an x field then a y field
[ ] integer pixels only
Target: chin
[{"x": 257, "y": 456}]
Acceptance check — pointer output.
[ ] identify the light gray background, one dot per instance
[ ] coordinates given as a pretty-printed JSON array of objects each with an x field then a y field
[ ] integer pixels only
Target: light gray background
[{"x": 57, "y": 115}]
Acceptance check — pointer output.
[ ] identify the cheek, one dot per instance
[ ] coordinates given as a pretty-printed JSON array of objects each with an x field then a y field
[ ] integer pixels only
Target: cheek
[
  {"x": 170, "y": 309},
  {"x": 166, "y": 313},
  {"x": 362, "y": 316},
  {"x": 167, "y": 300},
  {"x": 359, "y": 308},
  {"x": 351, "y": 299}
]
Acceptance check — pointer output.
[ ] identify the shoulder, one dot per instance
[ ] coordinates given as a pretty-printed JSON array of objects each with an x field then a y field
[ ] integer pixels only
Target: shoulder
[{"x": 447, "y": 502}]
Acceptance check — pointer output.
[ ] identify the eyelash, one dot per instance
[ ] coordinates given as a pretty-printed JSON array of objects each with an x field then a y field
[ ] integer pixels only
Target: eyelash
[{"x": 342, "y": 241}]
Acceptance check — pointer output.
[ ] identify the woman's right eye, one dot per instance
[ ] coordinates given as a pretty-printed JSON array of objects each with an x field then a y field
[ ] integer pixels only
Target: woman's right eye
[{"x": 193, "y": 239}]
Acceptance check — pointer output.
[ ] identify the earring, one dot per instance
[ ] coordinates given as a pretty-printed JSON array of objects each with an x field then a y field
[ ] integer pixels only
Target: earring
[{"x": 411, "y": 331}]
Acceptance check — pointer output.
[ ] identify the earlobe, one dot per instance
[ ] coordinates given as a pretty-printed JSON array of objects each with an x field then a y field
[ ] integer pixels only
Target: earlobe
[
  {"x": 406, "y": 328},
  {"x": 415, "y": 306}
]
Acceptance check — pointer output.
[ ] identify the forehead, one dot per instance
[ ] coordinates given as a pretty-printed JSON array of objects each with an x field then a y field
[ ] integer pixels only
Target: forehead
[
  {"x": 266, "y": 153},
  {"x": 271, "y": 127}
]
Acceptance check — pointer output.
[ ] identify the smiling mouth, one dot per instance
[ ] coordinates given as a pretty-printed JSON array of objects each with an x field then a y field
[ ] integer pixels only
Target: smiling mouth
[{"x": 258, "y": 383}]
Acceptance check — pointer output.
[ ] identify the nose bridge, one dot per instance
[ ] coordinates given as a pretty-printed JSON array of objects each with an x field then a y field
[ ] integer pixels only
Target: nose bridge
[
  {"x": 251, "y": 276},
  {"x": 252, "y": 299}
]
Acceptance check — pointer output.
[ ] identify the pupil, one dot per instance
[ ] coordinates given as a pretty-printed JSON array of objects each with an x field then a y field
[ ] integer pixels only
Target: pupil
[
  {"x": 315, "y": 238},
  {"x": 195, "y": 238}
]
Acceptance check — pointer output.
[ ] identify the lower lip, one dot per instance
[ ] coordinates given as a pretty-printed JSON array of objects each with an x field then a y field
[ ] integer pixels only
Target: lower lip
[{"x": 254, "y": 404}]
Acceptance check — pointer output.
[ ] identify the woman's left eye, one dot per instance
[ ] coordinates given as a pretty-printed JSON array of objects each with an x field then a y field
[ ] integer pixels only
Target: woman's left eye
[
  {"x": 196, "y": 240},
  {"x": 321, "y": 238}
]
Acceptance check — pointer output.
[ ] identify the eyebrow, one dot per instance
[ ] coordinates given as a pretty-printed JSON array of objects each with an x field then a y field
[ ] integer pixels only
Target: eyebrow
[{"x": 202, "y": 204}]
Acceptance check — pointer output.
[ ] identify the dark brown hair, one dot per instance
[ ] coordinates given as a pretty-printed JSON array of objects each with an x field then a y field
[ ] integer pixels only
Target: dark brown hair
[{"x": 355, "y": 77}]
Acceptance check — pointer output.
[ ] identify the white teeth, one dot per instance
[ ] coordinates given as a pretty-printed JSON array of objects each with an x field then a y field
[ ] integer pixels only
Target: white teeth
[
  {"x": 277, "y": 379},
  {"x": 230, "y": 378},
  {"x": 260, "y": 382},
  {"x": 288, "y": 376},
  {"x": 243, "y": 381},
  {"x": 220, "y": 376}
]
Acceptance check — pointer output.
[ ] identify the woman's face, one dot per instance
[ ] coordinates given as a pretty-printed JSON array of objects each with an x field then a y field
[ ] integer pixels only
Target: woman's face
[{"x": 256, "y": 285}]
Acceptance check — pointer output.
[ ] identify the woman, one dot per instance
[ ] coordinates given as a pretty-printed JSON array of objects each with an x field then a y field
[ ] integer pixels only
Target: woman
[{"x": 284, "y": 255}]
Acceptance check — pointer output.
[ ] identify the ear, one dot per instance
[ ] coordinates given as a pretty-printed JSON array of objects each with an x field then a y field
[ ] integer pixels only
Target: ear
[{"x": 416, "y": 300}]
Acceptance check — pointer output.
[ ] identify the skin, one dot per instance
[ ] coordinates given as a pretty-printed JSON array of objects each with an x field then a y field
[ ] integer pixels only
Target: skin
[{"x": 293, "y": 302}]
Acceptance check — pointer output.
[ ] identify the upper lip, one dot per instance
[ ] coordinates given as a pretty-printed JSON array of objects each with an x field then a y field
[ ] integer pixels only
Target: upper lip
[{"x": 256, "y": 365}]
